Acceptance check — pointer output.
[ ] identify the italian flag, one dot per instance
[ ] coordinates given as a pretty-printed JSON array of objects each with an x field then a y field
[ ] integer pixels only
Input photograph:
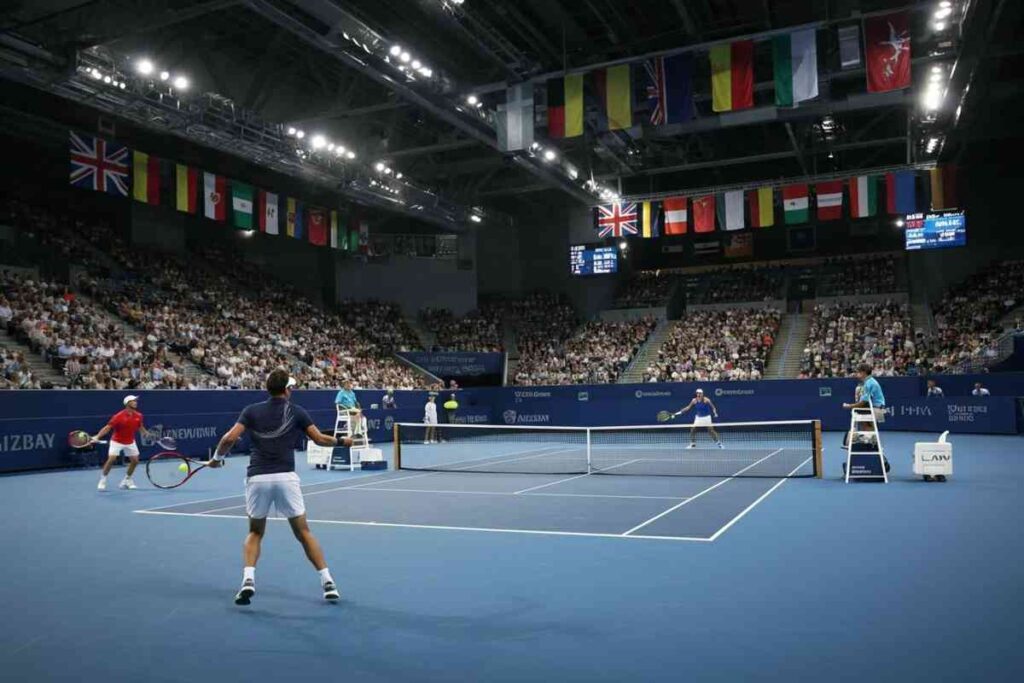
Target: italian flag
[
  {"x": 864, "y": 196},
  {"x": 241, "y": 205},
  {"x": 795, "y": 203},
  {"x": 762, "y": 210},
  {"x": 214, "y": 189},
  {"x": 795, "y": 62}
]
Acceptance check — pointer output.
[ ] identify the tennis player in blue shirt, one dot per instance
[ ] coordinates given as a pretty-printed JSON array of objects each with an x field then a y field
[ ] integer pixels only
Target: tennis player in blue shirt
[
  {"x": 703, "y": 410},
  {"x": 274, "y": 427}
]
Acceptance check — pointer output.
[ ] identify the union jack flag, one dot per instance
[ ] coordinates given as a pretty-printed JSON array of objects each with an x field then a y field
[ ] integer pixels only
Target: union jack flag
[
  {"x": 655, "y": 69},
  {"x": 617, "y": 220},
  {"x": 99, "y": 165}
]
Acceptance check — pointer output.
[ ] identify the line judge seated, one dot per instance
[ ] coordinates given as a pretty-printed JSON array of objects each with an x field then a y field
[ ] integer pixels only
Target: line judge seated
[{"x": 345, "y": 401}]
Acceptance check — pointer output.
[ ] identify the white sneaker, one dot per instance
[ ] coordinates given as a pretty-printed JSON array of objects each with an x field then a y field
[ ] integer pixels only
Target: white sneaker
[
  {"x": 426, "y": 443},
  {"x": 129, "y": 484},
  {"x": 102, "y": 486},
  {"x": 720, "y": 445},
  {"x": 692, "y": 445},
  {"x": 124, "y": 484}
]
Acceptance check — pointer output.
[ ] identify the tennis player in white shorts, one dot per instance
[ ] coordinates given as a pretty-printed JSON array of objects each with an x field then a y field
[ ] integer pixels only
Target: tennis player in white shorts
[{"x": 703, "y": 411}]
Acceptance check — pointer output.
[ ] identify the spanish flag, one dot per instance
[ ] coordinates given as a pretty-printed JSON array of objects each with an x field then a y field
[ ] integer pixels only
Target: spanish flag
[
  {"x": 732, "y": 76},
  {"x": 146, "y": 178},
  {"x": 186, "y": 188}
]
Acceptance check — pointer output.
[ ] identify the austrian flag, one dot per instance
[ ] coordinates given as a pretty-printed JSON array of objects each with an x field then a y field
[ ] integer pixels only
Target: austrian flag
[
  {"x": 830, "y": 200},
  {"x": 616, "y": 220}
]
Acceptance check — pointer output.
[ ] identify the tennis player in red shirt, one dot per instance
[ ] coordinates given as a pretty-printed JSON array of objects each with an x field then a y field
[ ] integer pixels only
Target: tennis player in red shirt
[{"x": 124, "y": 424}]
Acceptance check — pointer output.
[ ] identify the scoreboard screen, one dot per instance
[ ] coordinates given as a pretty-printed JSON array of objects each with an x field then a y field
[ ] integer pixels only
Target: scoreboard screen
[
  {"x": 584, "y": 260},
  {"x": 938, "y": 230}
]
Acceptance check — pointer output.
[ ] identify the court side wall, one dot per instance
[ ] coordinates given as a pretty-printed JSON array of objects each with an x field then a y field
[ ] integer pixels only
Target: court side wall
[{"x": 33, "y": 431}]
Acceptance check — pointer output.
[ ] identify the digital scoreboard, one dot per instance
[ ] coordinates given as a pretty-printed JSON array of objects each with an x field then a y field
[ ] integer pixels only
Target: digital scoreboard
[
  {"x": 938, "y": 230},
  {"x": 584, "y": 260}
]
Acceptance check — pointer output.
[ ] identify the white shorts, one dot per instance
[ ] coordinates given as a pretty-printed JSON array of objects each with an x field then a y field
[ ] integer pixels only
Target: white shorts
[
  {"x": 129, "y": 449},
  {"x": 281, "y": 489},
  {"x": 430, "y": 421},
  {"x": 702, "y": 421}
]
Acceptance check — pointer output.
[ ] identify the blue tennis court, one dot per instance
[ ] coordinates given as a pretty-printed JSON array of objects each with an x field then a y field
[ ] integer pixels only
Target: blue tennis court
[{"x": 473, "y": 575}]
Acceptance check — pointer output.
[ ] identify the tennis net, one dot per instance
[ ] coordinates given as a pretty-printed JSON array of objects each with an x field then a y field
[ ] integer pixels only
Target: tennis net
[{"x": 741, "y": 449}]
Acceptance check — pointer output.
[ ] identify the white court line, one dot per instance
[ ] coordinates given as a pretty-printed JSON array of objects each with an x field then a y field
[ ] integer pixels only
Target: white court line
[
  {"x": 578, "y": 476},
  {"x": 754, "y": 504},
  {"x": 707, "y": 490},
  {"x": 505, "y": 493},
  {"x": 533, "y": 532}
]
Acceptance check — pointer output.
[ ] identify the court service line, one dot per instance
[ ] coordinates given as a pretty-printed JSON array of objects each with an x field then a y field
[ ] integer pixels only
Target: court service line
[
  {"x": 507, "y": 493},
  {"x": 532, "y": 532},
  {"x": 578, "y": 476},
  {"x": 755, "y": 503},
  {"x": 707, "y": 490}
]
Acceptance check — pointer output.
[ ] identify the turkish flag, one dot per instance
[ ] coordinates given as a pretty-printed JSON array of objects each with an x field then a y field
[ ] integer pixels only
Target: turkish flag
[{"x": 887, "y": 52}]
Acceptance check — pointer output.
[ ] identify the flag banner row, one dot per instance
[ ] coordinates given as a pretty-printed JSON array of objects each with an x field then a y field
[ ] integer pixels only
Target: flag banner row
[
  {"x": 756, "y": 207},
  {"x": 104, "y": 166},
  {"x": 663, "y": 87}
]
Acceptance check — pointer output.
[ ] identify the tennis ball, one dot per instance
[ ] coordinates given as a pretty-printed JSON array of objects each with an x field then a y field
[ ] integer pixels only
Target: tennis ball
[{"x": 183, "y": 467}]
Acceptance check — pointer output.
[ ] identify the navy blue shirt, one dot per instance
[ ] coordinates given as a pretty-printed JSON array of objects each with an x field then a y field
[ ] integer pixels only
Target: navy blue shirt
[{"x": 274, "y": 427}]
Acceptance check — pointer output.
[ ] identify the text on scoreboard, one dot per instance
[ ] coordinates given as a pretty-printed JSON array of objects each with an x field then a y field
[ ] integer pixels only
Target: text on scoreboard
[
  {"x": 585, "y": 260},
  {"x": 938, "y": 230}
]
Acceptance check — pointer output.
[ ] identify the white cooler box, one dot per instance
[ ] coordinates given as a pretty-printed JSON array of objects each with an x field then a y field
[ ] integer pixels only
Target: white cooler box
[
  {"x": 933, "y": 459},
  {"x": 326, "y": 458}
]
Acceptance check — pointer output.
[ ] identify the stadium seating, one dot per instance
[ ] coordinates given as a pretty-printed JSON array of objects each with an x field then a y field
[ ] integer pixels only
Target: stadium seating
[
  {"x": 844, "y": 335},
  {"x": 596, "y": 354}
]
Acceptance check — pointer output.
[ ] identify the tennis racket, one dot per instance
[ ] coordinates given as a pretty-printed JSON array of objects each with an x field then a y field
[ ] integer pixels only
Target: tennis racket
[
  {"x": 665, "y": 416},
  {"x": 169, "y": 469},
  {"x": 81, "y": 439}
]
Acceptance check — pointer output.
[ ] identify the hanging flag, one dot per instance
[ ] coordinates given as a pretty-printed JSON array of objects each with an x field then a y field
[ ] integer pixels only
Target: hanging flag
[
  {"x": 676, "y": 217},
  {"x": 943, "y": 186},
  {"x": 795, "y": 206},
  {"x": 241, "y": 205},
  {"x": 335, "y": 237},
  {"x": 565, "y": 106},
  {"x": 352, "y": 243},
  {"x": 730, "y": 210},
  {"x": 732, "y": 76},
  {"x": 830, "y": 200},
  {"x": 514, "y": 121},
  {"x": 739, "y": 246},
  {"x": 704, "y": 213},
  {"x": 887, "y": 52},
  {"x": 670, "y": 88},
  {"x": 650, "y": 219},
  {"x": 616, "y": 220},
  {"x": 299, "y": 231},
  {"x": 849, "y": 46},
  {"x": 618, "y": 99},
  {"x": 145, "y": 178},
  {"x": 214, "y": 191},
  {"x": 863, "y": 196},
  {"x": 762, "y": 207},
  {"x": 99, "y": 165},
  {"x": 364, "y": 236},
  {"x": 900, "y": 193},
  {"x": 316, "y": 226},
  {"x": 291, "y": 207},
  {"x": 795, "y": 62},
  {"x": 266, "y": 212},
  {"x": 186, "y": 188}
]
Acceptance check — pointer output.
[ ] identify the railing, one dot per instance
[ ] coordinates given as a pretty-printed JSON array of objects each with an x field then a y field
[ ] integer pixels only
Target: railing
[{"x": 997, "y": 351}]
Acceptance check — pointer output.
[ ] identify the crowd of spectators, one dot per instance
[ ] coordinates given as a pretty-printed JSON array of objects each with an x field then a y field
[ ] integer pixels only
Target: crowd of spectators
[
  {"x": 479, "y": 330},
  {"x": 856, "y": 275},
  {"x": 731, "y": 344},
  {"x": 542, "y": 322},
  {"x": 596, "y": 354},
  {"x": 646, "y": 289},
  {"x": 844, "y": 335}
]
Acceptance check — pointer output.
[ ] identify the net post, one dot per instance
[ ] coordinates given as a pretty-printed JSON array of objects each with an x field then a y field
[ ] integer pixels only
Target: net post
[
  {"x": 590, "y": 467},
  {"x": 817, "y": 450},
  {"x": 396, "y": 444}
]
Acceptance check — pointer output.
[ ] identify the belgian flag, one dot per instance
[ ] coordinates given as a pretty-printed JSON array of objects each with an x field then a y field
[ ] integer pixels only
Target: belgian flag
[{"x": 565, "y": 106}]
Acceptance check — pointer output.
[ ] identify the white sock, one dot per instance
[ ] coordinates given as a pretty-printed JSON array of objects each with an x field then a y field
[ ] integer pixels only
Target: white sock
[
  {"x": 325, "y": 576},
  {"x": 103, "y": 477},
  {"x": 249, "y": 574}
]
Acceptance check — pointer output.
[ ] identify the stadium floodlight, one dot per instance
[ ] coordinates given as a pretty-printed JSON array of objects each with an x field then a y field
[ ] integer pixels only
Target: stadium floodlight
[
  {"x": 398, "y": 176},
  {"x": 933, "y": 100},
  {"x": 936, "y": 69},
  {"x": 945, "y": 3},
  {"x": 95, "y": 73},
  {"x": 472, "y": 99},
  {"x": 144, "y": 66},
  {"x": 330, "y": 146},
  {"x": 350, "y": 155},
  {"x": 426, "y": 72},
  {"x": 899, "y": 223},
  {"x": 940, "y": 26},
  {"x": 164, "y": 75},
  {"x": 475, "y": 218},
  {"x": 122, "y": 85},
  {"x": 935, "y": 78},
  {"x": 550, "y": 155},
  {"x": 181, "y": 83},
  {"x": 106, "y": 79},
  {"x": 339, "y": 150},
  {"x": 300, "y": 134},
  {"x": 387, "y": 171},
  {"x": 416, "y": 64},
  {"x": 943, "y": 12},
  {"x": 405, "y": 57},
  {"x": 379, "y": 167},
  {"x": 623, "y": 245},
  {"x": 395, "y": 50},
  {"x": 318, "y": 141},
  {"x": 290, "y": 130}
]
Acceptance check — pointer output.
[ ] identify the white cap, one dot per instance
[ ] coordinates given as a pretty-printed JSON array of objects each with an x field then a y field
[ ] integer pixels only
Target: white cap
[
  {"x": 700, "y": 391},
  {"x": 292, "y": 382},
  {"x": 129, "y": 398}
]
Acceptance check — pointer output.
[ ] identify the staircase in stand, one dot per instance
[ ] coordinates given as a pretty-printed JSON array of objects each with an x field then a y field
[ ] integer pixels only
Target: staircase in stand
[
  {"x": 39, "y": 368},
  {"x": 634, "y": 372},
  {"x": 787, "y": 354},
  {"x": 425, "y": 337}
]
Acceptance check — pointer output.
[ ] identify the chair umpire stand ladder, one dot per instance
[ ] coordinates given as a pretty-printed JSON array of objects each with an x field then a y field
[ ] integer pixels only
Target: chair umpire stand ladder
[
  {"x": 345, "y": 426},
  {"x": 863, "y": 445}
]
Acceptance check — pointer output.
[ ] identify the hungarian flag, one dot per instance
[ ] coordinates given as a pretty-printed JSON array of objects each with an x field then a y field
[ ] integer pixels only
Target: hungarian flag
[
  {"x": 614, "y": 93},
  {"x": 650, "y": 219},
  {"x": 762, "y": 208},
  {"x": 336, "y": 237},
  {"x": 214, "y": 199},
  {"x": 864, "y": 196},
  {"x": 795, "y": 206},
  {"x": 795, "y": 63},
  {"x": 186, "y": 188},
  {"x": 241, "y": 205},
  {"x": 887, "y": 52},
  {"x": 732, "y": 76},
  {"x": 730, "y": 210},
  {"x": 943, "y": 186},
  {"x": 900, "y": 193},
  {"x": 676, "y": 217},
  {"x": 565, "y": 106},
  {"x": 316, "y": 221},
  {"x": 266, "y": 212},
  {"x": 146, "y": 178},
  {"x": 704, "y": 213},
  {"x": 830, "y": 200}
]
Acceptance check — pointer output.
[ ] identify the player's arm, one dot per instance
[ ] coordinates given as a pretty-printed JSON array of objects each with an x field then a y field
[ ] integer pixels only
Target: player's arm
[
  {"x": 103, "y": 432},
  {"x": 687, "y": 408},
  {"x": 226, "y": 443},
  {"x": 714, "y": 410},
  {"x": 321, "y": 439}
]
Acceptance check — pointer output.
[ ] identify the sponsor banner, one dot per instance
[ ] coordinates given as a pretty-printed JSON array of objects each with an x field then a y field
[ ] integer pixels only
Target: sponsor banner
[
  {"x": 966, "y": 415},
  {"x": 457, "y": 364}
]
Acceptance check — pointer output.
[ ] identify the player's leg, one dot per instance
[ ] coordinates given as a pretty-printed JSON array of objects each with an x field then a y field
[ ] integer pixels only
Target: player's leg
[
  {"x": 714, "y": 435},
  {"x": 250, "y": 556},
  {"x": 132, "y": 451},
  {"x": 113, "y": 451},
  {"x": 315, "y": 554},
  {"x": 693, "y": 436}
]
